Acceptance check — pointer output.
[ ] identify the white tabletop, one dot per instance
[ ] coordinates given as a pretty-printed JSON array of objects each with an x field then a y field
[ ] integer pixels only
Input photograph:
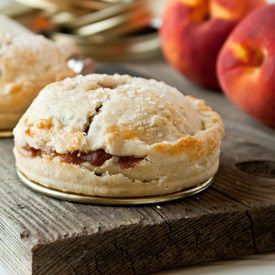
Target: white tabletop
[{"x": 253, "y": 265}]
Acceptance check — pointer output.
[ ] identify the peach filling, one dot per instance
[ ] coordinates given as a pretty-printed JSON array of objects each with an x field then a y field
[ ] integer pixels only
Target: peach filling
[{"x": 96, "y": 158}]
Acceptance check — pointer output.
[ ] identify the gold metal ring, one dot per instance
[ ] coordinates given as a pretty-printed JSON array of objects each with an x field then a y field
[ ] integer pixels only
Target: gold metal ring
[
  {"x": 6, "y": 133},
  {"x": 112, "y": 200}
]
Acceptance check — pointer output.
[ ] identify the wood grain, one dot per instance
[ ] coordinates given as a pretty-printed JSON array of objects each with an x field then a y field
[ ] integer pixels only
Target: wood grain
[{"x": 235, "y": 217}]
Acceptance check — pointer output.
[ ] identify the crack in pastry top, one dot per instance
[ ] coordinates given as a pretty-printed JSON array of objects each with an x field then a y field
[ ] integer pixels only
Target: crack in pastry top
[{"x": 136, "y": 116}]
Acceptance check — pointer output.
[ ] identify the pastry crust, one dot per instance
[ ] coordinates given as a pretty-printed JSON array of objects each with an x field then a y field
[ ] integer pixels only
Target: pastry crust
[
  {"x": 169, "y": 141},
  {"x": 27, "y": 64}
]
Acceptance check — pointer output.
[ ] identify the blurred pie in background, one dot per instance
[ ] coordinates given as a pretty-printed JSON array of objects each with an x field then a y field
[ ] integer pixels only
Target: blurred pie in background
[{"x": 27, "y": 64}]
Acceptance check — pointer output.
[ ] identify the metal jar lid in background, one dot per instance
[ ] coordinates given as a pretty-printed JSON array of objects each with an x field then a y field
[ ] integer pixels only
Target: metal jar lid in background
[{"x": 106, "y": 30}]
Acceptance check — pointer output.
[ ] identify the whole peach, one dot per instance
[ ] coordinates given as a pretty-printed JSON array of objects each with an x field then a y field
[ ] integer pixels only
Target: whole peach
[
  {"x": 246, "y": 65},
  {"x": 193, "y": 32}
]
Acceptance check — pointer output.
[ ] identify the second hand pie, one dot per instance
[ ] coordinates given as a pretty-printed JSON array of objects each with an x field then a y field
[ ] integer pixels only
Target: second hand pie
[{"x": 27, "y": 64}]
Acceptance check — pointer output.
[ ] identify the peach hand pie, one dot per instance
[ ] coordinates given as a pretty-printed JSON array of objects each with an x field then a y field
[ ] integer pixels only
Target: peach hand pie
[
  {"x": 27, "y": 64},
  {"x": 117, "y": 136}
]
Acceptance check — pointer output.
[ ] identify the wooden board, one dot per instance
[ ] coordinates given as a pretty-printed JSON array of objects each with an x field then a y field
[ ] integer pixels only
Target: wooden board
[{"x": 234, "y": 217}]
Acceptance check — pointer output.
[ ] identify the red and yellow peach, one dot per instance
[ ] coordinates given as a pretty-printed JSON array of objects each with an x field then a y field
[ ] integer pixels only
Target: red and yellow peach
[
  {"x": 246, "y": 65},
  {"x": 193, "y": 32}
]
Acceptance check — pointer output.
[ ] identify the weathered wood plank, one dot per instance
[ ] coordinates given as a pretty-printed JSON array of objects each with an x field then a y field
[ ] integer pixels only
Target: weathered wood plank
[{"x": 234, "y": 217}]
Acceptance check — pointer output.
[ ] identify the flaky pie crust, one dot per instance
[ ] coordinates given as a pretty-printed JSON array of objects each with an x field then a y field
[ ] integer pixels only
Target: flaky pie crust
[{"x": 177, "y": 138}]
